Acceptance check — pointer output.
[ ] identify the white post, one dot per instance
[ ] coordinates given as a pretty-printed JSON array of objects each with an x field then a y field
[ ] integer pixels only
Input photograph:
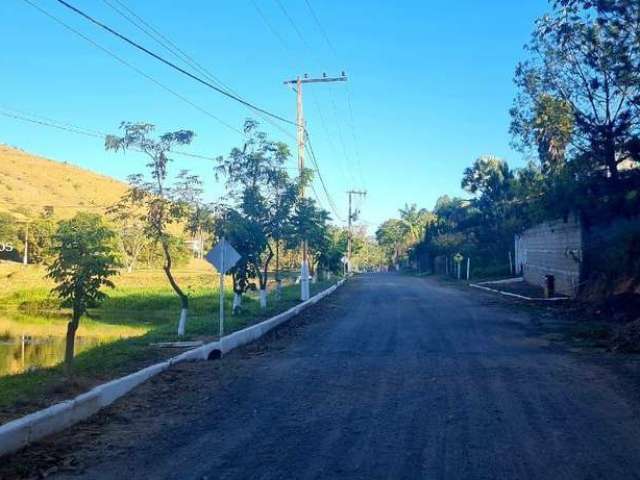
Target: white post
[
  {"x": 459, "y": 264},
  {"x": 221, "y": 324},
  {"x": 304, "y": 281},
  {"x": 468, "y": 266},
  {"x": 221, "y": 307}
]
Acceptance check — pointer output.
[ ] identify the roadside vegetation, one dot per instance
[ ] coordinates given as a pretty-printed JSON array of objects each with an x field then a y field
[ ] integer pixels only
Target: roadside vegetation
[
  {"x": 576, "y": 116},
  {"x": 115, "y": 281}
]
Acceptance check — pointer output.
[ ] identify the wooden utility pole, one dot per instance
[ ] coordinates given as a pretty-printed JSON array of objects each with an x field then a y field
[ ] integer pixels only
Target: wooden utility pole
[
  {"x": 301, "y": 131},
  {"x": 351, "y": 217}
]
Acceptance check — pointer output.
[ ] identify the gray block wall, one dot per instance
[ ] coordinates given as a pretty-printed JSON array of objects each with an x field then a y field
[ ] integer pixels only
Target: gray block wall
[{"x": 552, "y": 248}]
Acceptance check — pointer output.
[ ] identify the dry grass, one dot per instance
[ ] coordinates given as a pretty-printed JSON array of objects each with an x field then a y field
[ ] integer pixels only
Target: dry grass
[{"x": 33, "y": 182}]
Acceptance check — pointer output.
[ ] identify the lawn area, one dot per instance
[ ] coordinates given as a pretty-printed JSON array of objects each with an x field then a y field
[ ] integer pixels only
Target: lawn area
[{"x": 141, "y": 310}]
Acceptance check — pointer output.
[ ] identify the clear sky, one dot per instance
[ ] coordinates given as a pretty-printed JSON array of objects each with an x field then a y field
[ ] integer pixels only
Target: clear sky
[{"x": 430, "y": 85}]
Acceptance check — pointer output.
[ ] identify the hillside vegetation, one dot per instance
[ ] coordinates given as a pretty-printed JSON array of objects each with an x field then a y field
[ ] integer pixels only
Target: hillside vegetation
[{"x": 29, "y": 184}]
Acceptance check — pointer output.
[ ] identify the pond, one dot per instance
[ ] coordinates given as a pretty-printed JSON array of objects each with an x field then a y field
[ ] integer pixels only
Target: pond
[{"x": 28, "y": 341}]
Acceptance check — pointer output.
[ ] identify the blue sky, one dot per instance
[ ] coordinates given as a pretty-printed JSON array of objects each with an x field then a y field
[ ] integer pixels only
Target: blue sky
[{"x": 430, "y": 85}]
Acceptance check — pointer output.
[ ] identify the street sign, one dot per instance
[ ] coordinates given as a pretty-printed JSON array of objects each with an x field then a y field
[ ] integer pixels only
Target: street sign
[
  {"x": 458, "y": 258},
  {"x": 223, "y": 256}
]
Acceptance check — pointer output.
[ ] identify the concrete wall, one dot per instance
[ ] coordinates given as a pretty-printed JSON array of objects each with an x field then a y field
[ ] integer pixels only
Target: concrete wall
[{"x": 552, "y": 248}]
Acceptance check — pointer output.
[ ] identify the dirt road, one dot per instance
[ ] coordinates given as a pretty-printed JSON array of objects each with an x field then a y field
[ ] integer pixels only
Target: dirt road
[{"x": 392, "y": 378}]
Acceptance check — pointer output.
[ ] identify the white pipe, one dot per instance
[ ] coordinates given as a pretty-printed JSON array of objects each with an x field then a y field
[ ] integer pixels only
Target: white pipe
[{"x": 183, "y": 322}]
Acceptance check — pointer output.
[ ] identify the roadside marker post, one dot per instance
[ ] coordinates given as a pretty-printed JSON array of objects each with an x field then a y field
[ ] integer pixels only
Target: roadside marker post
[{"x": 223, "y": 257}]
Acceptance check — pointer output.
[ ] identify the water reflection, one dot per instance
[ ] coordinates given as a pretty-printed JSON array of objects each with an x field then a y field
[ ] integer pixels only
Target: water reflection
[
  {"x": 18, "y": 355},
  {"x": 29, "y": 342}
]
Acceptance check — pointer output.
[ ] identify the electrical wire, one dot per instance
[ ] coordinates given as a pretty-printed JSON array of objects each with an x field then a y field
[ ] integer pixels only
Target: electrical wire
[
  {"x": 155, "y": 34},
  {"x": 333, "y": 50},
  {"x": 133, "y": 67},
  {"x": 47, "y": 122},
  {"x": 173, "y": 65}
]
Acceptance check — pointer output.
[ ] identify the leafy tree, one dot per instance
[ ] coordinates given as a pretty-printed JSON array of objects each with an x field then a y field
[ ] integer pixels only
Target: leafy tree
[
  {"x": 188, "y": 191},
  {"x": 84, "y": 261},
  {"x": 542, "y": 122},
  {"x": 263, "y": 192},
  {"x": 392, "y": 235},
  {"x": 417, "y": 220},
  {"x": 249, "y": 241},
  {"x": 154, "y": 198},
  {"x": 585, "y": 59},
  {"x": 310, "y": 223}
]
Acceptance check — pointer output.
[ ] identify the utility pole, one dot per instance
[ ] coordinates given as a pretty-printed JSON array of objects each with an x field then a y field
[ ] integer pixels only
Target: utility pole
[
  {"x": 352, "y": 216},
  {"x": 301, "y": 131}
]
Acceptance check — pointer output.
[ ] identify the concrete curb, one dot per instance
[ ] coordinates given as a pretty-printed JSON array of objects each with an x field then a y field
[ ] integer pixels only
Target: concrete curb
[
  {"x": 515, "y": 295},
  {"x": 21, "y": 432},
  {"x": 505, "y": 280}
]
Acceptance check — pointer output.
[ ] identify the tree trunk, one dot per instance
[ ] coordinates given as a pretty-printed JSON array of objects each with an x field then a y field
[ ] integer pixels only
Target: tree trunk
[
  {"x": 278, "y": 280},
  {"x": 72, "y": 327},
  {"x": 264, "y": 278},
  {"x": 184, "y": 300}
]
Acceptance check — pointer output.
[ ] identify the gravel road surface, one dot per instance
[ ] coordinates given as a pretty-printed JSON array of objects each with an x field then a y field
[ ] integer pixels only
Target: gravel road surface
[{"x": 393, "y": 377}]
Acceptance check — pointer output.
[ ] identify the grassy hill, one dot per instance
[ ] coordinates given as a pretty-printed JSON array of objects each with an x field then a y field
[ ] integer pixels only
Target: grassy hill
[{"x": 29, "y": 184}]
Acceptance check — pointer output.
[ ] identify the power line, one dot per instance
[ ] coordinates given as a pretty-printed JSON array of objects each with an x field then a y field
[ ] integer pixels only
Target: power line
[
  {"x": 156, "y": 35},
  {"x": 324, "y": 186},
  {"x": 321, "y": 28},
  {"x": 333, "y": 50},
  {"x": 47, "y": 122},
  {"x": 173, "y": 65},
  {"x": 132, "y": 67}
]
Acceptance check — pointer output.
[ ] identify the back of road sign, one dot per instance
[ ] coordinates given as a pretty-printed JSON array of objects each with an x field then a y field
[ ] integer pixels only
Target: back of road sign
[{"x": 223, "y": 256}]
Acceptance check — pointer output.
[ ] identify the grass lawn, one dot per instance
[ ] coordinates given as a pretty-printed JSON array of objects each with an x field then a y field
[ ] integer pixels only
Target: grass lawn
[{"x": 140, "y": 311}]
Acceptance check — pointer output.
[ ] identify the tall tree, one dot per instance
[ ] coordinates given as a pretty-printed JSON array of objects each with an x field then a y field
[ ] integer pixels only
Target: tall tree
[
  {"x": 154, "y": 197},
  {"x": 256, "y": 179},
  {"x": 392, "y": 235},
  {"x": 585, "y": 59}
]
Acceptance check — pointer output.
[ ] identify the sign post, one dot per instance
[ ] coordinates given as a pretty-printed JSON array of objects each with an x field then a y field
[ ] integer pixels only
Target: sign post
[{"x": 223, "y": 257}]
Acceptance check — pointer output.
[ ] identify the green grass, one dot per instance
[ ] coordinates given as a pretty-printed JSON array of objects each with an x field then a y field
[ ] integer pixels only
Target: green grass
[{"x": 141, "y": 308}]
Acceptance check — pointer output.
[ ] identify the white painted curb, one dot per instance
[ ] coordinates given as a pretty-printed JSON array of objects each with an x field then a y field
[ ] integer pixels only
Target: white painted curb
[
  {"x": 19, "y": 433},
  {"x": 515, "y": 295}
]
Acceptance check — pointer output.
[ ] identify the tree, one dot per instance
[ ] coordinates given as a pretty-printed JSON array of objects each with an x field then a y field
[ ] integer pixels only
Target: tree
[
  {"x": 392, "y": 235},
  {"x": 198, "y": 218},
  {"x": 584, "y": 60},
  {"x": 263, "y": 192},
  {"x": 545, "y": 123},
  {"x": 84, "y": 261},
  {"x": 417, "y": 220},
  {"x": 249, "y": 241},
  {"x": 154, "y": 198},
  {"x": 310, "y": 223}
]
